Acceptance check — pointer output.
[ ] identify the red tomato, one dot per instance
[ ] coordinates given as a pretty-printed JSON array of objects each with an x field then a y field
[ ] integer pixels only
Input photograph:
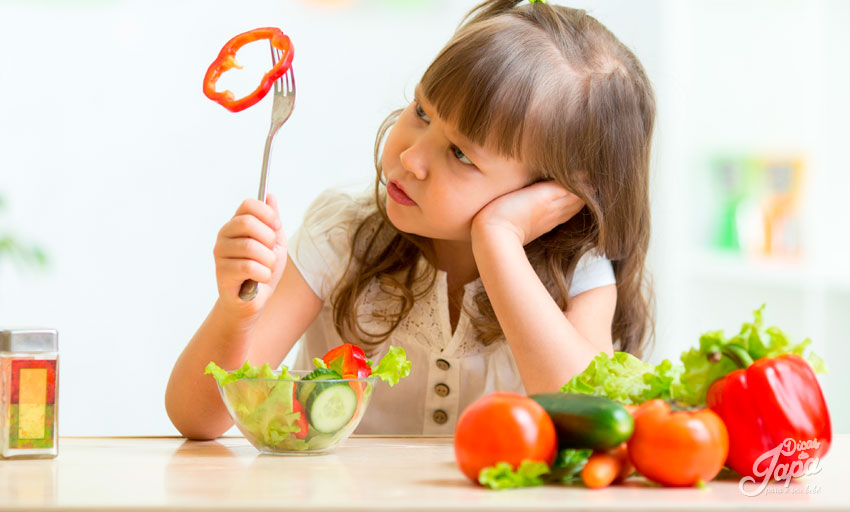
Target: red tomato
[
  {"x": 503, "y": 427},
  {"x": 677, "y": 448}
]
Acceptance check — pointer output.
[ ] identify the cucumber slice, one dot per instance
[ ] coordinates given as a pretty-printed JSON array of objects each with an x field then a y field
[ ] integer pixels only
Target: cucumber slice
[
  {"x": 322, "y": 373},
  {"x": 305, "y": 388},
  {"x": 331, "y": 406}
]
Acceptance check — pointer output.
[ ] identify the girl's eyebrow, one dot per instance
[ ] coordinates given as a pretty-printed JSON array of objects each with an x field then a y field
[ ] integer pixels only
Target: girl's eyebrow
[{"x": 468, "y": 148}]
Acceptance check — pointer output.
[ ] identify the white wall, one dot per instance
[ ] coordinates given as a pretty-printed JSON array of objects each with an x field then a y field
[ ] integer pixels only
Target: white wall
[
  {"x": 761, "y": 78},
  {"x": 113, "y": 160}
]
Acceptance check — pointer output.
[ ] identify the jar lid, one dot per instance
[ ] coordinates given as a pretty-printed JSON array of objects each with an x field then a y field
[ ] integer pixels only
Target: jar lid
[{"x": 29, "y": 340}]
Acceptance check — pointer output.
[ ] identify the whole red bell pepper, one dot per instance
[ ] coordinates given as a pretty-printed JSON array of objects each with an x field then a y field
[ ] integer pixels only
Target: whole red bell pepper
[
  {"x": 227, "y": 60},
  {"x": 350, "y": 359},
  {"x": 764, "y": 404}
]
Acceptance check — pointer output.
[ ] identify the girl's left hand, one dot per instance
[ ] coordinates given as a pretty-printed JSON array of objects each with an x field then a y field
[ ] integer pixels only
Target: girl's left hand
[{"x": 528, "y": 212}]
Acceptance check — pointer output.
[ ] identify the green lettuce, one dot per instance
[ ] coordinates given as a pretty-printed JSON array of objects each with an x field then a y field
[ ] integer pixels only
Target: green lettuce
[
  {"x": 568, "y": 465},
  {"x": 699, "y": 370},
  {"x": 392, "y": 366},
  {"x": 566, "y": 469},
  {"x": 624, "y": 378},
  {"x": 264, "y": 408},
  {"x": 503, "y": 476}
]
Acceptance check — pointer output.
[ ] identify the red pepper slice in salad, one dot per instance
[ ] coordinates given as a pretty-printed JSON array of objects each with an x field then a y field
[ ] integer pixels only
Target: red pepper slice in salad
[
  {"x": 226, "y": 60},
  {"x": 302, "y": 419},
  {"x": 350, "y": 359}
]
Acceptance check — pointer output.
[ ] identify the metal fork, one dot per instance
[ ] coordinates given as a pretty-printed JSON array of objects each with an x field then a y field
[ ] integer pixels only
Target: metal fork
[{"x": 284, "y": 102}]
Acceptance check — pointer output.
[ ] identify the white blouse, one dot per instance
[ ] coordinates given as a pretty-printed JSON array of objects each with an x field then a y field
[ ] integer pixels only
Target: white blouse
[{"x": 448, "y": 370}]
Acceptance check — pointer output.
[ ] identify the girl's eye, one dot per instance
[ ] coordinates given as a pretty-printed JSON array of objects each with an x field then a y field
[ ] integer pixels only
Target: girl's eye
[
  {"x": 421, "y": 113},
  {"x": 460, "y": 156}
]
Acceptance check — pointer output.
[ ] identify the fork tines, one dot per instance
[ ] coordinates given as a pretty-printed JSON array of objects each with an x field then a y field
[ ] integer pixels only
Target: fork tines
[{"x": 285, "y": 83}]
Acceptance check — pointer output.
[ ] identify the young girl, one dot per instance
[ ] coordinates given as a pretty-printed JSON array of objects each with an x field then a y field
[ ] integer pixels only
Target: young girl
[{"x": 503, "y": 246}]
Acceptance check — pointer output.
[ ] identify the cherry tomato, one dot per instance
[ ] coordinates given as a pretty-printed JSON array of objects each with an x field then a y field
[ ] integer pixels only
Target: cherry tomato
[
  {"x": 503, "y": 427},
  {"x": 677, "y": 448}
]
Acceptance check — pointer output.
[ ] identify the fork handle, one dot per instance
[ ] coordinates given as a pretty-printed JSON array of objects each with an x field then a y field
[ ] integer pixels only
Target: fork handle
[
  {"x": 249, "y": 287},
  {"x": 248, "y": 290}
]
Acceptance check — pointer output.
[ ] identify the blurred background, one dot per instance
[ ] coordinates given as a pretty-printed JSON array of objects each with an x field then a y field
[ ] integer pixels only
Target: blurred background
[{"x": 116, "y": 172}]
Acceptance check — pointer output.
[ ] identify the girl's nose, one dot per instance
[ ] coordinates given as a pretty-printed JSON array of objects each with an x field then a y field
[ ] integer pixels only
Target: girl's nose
[{"x": 414, "y": 161}]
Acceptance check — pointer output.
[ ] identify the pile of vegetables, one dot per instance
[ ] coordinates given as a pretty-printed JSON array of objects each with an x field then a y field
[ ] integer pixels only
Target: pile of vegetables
[
  {"x": 279, "y": 411},
  {"x": 730, "y": 402}
]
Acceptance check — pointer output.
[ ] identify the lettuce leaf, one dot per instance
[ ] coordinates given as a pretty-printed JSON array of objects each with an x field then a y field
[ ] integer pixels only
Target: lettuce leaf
[
  {"x": 568, "y": 465},
  {"x": 699, "y": 372},
  {"x": 629, "y": 380},
  {"x": 223, "y": 377},
  {"x": 264, "y": 408},
  {"x": 502, "y": 475},
  {"x": 566, "y": 469},
  {"x": 624, "y": 378},
  {"x": 392, "y": 366}
]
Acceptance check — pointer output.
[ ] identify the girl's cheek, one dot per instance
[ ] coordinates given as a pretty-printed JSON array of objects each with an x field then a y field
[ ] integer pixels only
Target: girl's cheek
[{"x": 391, "y": 150}]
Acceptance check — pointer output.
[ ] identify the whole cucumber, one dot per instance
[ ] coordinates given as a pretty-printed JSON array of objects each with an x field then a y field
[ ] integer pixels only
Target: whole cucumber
[{"x": 587, "y": 421}]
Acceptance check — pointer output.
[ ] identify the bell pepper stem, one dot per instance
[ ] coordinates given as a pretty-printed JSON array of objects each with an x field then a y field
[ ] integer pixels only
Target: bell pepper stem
[{"x": 736, "y": 353}]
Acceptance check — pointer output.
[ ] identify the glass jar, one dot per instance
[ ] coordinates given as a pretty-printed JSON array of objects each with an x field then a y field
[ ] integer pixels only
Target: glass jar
[{"x": 29, "y": 392}]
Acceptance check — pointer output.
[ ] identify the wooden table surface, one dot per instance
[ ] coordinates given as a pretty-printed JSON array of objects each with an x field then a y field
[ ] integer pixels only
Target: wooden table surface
[{"x": 365, "y": 473}]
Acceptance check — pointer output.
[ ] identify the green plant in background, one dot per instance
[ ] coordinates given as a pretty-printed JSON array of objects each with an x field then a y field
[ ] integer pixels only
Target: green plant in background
[{"x": 18, "y": 252}]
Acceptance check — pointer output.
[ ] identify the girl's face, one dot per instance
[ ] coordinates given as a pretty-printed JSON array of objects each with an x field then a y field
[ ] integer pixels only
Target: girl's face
[{"x": 437, "y": 180}]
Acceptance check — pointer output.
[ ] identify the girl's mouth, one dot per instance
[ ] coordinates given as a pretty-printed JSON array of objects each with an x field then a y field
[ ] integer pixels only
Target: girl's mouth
[{"x": 398, "y": 195}]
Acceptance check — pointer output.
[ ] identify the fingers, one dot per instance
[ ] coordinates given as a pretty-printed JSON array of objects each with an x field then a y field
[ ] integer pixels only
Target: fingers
[
  {"x": 562, "y": 204},
  {"x": 550, "y": 189},
  {"x": 262, "y": 211},
  {"x": 244, "y": 269},
  {"x": 248, "y": 226},
  {"x": 245, "y": 248},
  {"x": 249, "y": 243},
  {"x": 272, "y": 201}
]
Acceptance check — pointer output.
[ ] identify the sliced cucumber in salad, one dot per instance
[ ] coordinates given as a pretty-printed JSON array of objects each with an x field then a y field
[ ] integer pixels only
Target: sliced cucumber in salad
[
  {"x": 305, "y": 388},
  {"x": 331, "y": 406}
]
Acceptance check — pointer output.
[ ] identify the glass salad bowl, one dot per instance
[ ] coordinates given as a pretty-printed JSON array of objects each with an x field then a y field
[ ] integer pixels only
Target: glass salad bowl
[{"x": 298, "y": 413}]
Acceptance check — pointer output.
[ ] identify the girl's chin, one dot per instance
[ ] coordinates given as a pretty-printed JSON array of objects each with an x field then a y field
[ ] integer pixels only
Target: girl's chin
[{"x": 396, "y": 215}]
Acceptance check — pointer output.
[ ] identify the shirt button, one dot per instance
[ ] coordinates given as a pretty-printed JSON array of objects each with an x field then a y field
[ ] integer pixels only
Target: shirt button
[
  {"x": 440, "y": 417},
  {"x": 443, "y": 364},
  {"x": 441, "y": 389}
]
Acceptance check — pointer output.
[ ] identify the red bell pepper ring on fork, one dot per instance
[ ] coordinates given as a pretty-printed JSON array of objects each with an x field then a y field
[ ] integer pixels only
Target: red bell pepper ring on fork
[{"x": 226, "y": 60}]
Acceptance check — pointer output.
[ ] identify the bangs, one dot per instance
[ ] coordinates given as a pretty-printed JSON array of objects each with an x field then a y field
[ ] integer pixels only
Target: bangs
[{"x": 482, "y": 83}]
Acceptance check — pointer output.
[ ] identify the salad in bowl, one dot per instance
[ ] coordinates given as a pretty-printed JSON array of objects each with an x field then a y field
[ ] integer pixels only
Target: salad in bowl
[{"x": 305, "y": 412}]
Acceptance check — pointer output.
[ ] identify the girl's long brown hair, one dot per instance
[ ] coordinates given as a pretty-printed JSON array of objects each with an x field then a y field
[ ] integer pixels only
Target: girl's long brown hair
[{"x": 550, "y": 86}]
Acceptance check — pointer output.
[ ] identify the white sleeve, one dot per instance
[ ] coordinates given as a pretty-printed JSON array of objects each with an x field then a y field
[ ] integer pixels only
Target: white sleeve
[
  {"x": 592, "y": 271},
  {"x": 320, "y": 248}
]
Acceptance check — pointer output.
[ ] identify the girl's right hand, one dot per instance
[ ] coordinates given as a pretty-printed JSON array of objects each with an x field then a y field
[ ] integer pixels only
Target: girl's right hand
[{"x": 251, "y": 245}]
